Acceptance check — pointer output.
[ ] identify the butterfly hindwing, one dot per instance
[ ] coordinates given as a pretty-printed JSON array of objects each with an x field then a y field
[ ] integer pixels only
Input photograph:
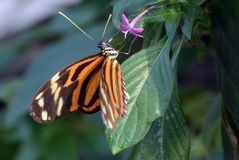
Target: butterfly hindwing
[
  {"x": 74, "y": 88},
  {"x": 113, "y": 94}
]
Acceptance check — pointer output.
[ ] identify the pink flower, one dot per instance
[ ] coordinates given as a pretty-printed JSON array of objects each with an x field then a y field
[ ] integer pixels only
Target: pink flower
[{"x": 129, "y": 27}]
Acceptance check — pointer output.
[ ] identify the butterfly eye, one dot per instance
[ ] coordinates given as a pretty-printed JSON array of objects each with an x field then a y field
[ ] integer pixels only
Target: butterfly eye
[{"x": 99, "y": 45}]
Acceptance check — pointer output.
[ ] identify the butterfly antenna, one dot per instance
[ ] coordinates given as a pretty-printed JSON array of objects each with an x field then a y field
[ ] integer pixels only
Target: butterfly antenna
[
  {"x": 131, "y": 44},
  {"x": 106, "y": 25},
  {"x": 111, "y": 38},
  {"x": 123, "y": 43},
  {"x": 75, "y": 25}
]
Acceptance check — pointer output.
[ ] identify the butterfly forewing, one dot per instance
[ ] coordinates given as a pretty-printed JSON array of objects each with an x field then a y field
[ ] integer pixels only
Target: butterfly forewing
[
  {"x": 113, "y": 95},
  {"x": 74, "y": 88}
]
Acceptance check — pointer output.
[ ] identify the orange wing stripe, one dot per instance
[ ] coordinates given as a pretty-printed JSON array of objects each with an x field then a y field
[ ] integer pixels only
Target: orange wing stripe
[
  {"x": 81, "y": 79},
  {"x": 108, "y": 74},
  {"x": 93, "y": 107},
  {"x": 114, "y": 82},
  {"x": 120, "y": 90},
  {"x": 74, "y": 67},
  {"x": 92, "y": 87}
]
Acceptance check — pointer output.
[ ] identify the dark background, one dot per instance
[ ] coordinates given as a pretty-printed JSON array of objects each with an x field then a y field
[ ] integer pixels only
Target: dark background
[{"x": 36, "y": 42}]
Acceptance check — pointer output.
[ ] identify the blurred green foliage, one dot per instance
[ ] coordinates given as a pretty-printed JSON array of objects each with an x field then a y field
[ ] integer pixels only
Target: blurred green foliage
[{"x": 177, "y": 63}]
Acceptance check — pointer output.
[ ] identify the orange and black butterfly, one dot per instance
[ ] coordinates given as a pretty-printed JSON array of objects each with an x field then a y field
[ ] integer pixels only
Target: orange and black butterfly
[{"x": 89, "y": 85}]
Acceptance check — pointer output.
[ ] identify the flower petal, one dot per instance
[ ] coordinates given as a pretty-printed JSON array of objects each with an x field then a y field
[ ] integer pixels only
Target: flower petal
[
  {"x": 136, "y": 19},
  {"x": 137, "y": 30},
  {"x": 123, "y": 28},
  {"x": 135, "y": 34},
  {"x": 125, "y": 20}
]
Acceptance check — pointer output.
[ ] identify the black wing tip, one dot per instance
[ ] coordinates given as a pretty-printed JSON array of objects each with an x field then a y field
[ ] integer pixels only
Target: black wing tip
[{"x": 39, "y": 115}]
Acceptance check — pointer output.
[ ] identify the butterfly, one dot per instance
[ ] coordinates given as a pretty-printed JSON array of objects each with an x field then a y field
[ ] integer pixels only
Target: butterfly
[{"x": 89, "y": 85}]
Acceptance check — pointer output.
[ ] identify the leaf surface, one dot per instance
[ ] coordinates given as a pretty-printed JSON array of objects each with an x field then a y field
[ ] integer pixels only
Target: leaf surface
[{"x": 149, "y": 82}]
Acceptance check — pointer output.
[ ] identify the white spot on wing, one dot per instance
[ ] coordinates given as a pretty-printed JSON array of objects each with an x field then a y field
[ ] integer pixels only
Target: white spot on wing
[
  {"x": 110, "y": 125},
  {"x": 104, "y": 120},
  {"x": 55, "y": 78},
  {"x": 41, "y": 102},
  {"x": 39, "y": 96},
  {"x": 57, "y": 93},
  {"x": 125, "y": 100},
  {"x": 103, "y": 109},
  {"x": 127, "y": 95},
  {"x": 115, "y": 62},
  {"x": 59, "y": 107},
  {"x": 44, "y": 115},
  {"x": 53, "y": 88}
]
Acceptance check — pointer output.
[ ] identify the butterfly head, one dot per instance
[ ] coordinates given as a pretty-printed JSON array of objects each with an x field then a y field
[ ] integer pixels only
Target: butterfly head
[
  {"x": 107, "y": 50},
  {"x": 102, "y": 45}
]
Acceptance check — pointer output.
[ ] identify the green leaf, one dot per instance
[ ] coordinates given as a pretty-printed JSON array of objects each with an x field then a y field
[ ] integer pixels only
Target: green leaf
[
  {"x": 191, "y": 12},
  {"x": 187, "y": 26},
  {"x": 211, "y": 130},
  {"x": 171, "y": 25},
  {"x": 230, "y": 134},
  {"x": 228, "y": 58},
  {"x": 168, "y": 137},
  {"x": 160, "y": 14},
  {"x": 174, "y": 59},
  {"x": 150, "y": 84},
  {"x": 227, "y": 144},
  {"x": 226, "y": 32},
  {"x": 152, "y": 34}
]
